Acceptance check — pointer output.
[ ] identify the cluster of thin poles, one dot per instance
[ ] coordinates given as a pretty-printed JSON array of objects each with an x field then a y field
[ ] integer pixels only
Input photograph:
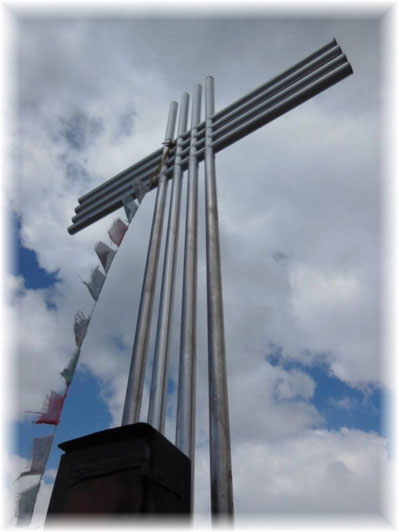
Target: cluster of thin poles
[
  {"x": 312, "y": 75},
  {"x": 221, "y": 477}
]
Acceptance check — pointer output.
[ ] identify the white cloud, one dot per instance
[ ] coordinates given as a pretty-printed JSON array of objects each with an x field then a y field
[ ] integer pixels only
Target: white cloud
[
  {"x": 13, "y": 486},
  {"x": 12, "y": 466},
  {"x": 268, "y": 403},
  {"x": 314, "y": 472},
  {"x": 318, "y": 471},
  {"x": 295, "y": 384},
  {"x": 39, "y": 345}
]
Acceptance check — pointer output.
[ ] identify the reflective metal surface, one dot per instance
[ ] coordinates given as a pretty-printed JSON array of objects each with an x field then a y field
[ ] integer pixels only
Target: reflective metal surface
[
  {"x": 185, "y": 421},
  {"x": 134, "y": 392},
  {"x": 156, "y": 411},
  {"x": 219, "y": 425}
]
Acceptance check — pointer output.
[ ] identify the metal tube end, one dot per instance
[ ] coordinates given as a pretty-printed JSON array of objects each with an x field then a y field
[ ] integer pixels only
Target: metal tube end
[
  {"x": 350, "y": 69},
  {"x": 196, "y": 107},
  {"x": 182, "y": 127},
  {"x": 170, "y": 128},
  {"x": 209, "y": 96}
]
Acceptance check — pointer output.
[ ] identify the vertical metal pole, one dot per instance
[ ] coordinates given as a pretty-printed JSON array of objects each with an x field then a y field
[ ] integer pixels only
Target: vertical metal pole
[
  {"x": 134, "y": 392},
  {"x": 220, "y": 454},
  {"x": 156, "y": 410},
  {"x": 185, "y": 422}
]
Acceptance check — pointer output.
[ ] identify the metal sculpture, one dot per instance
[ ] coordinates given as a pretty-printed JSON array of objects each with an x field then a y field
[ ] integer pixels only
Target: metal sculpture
[{"x": 201, "y": 142}]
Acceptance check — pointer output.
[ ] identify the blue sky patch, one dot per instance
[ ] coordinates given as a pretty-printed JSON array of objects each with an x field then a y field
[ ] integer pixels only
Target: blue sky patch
[
  {"x": 340, "y": 404},
  {"x": 119, "y": 342},
  {"x": 25, "y": 261},
  {"x": 171, "y": 386}
]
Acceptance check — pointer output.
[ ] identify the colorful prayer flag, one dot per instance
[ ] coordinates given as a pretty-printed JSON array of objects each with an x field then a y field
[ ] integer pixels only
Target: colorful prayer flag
[
  {"x": 26, "y": 505},
  {"x": 40, "y": 453},
  {"x": 80, "y": 327},
  {"x": 117, "y": 231},
  {"x": 130, "y": 207},
  {"x": 105, "y": 254},
  {"x": 139, "y": 190},
  {"x": 96, "y": 283},
  {"x": 69, "y": 371},
  {"x": 52, "y": 406}
]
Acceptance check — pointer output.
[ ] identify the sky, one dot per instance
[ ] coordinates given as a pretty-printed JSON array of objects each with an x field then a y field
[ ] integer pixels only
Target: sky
[{"x": 303, "y": 247}]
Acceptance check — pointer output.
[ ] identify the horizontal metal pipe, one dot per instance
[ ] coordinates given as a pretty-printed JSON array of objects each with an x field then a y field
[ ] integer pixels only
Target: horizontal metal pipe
[
  {"x": 94, "y": 211},
  {"x": 223, "y": 131},
  {"x": 186, "y": 137},
  {"x": 309, "y": 63},
  {"x": 281, "y": 95},
  {"x": 276, "y": 79},
  {"x": 199, "y": 143},
  {"x": 154, "y": 158},
  {"x": 114, "y": 203},
  {"x": 151, "y": 162},
  {"x": 241, "y": 120},
  {"x": 286, "y": 82},
  {"x": 330, "y": 45},
  {"x": 326, "y": 61},
  {"x": 124, "y": 188},
  {"x": 125, "y": 181},
  {"x": 87, "y": 210},
  {"x": 282, "y": 107},
  {"x": 229, "y": 133},
  {"x": 106, "y": 206},
  {"x": 200, "y": 154},
  {"x": 143, "y": 173}
]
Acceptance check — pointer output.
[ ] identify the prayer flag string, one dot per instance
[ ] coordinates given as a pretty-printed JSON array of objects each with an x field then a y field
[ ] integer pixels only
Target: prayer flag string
[{"x": 54, "y": 402}]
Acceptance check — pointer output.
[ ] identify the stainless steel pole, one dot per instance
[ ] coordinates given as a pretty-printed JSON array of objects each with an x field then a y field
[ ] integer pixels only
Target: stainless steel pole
[
  {"x": 156, "y": 410},
  {"x": 185, "y": 421},
  {"x": 219, "y": 433},
  {"x": 134, "y": 392}
]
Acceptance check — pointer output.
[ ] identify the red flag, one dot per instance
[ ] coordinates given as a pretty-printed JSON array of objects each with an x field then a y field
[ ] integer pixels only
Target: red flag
[{"x": 53, "y": 406}]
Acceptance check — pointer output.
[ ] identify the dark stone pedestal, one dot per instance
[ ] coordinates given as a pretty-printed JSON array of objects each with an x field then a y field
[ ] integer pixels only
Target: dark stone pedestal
[{"x": 126, "y": 471}]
